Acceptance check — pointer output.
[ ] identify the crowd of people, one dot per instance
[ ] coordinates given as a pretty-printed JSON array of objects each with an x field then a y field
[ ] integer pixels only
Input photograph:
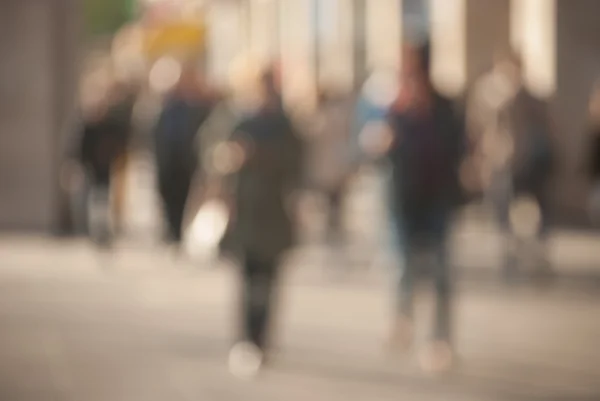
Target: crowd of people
[{"x": 439, "y": 156}]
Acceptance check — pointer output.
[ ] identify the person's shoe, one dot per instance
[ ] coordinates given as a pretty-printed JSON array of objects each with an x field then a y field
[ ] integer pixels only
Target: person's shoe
[
  {"x": 437, "y": 358},
  {"x": 401, "y": 336},
  {"x": 245, "y": 360}
]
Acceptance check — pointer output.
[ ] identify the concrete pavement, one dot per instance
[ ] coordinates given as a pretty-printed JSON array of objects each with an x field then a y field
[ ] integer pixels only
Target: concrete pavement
[{"x": 139, "y": 324}]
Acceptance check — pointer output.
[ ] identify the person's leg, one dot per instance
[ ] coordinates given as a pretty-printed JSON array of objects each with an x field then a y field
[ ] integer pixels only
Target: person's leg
[
  {"x": 166, "y": 190},
  {"x": 171, "y": 209},
  {"x": 402, "y": 330},
  {"x": 119, "y": 189},
  {"x": 406, "y": 284},
  {"x": 177, "y": 211},
  {"x": 443, "y": 294},
  {"x": 438, "y": 356},
  {"x": 335, "y": 256},
  {"x": 258, "y": 294},
  {"x": 99, "y": 213},
  {"x": 543, "y": 263},
  {"x": 180, "y": 198},
  {"x": 82, "y": 214},
  {"x": 501, "y": 198},
  {"x": 335, "y": 215},
  {"x": 248, "y": 355}
]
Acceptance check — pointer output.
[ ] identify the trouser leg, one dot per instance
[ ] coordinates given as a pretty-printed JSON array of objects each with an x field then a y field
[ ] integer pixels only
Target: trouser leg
[
  {"x": 174, "y": 190},
  {"x": 257, "y": 299},
  {"x": 99, "y": 221},
  {"x": 443, "y": 294},
  {"x": 335, "y": 214},
  {"x": 407, "y": 282},
  {"x": 501, "y": 198}
]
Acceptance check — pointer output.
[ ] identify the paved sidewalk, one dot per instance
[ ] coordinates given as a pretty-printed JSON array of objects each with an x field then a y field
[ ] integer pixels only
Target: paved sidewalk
[{"x": 141, "y": 325}]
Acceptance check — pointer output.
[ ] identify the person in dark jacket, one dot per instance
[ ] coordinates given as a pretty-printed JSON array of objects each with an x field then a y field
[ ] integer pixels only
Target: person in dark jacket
[
  {"x": 184, "y": 112},
  {"x": 511, "y": 135},
  {"x": 266, "y": 175},
  {"x": 423, "y": 146},
  {"x": 102, "y": 142}
]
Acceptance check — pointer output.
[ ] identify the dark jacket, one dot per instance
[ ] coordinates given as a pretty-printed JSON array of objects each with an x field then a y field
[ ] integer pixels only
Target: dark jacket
[
  {"x": 175, "y": 134},
  {"x": 102, "y": 142},
  {"x": 511, "y": 133},
  {"x": 425, "y": 159},
  {"x": 533, "y": 159},
  {"x": 262, "y": 224}
]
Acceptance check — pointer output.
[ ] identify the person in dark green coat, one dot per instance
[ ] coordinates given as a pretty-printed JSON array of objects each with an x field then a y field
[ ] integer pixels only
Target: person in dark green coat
[{"x": 268, "y": 164}]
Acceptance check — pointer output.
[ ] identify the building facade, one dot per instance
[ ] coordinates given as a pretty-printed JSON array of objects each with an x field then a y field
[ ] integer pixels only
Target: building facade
[
  {"x": 316, "y": 41},
  {"x": 39, "y": 57}
]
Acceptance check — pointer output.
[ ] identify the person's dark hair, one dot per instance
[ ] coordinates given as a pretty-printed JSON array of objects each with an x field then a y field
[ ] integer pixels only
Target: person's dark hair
[
  {"x": 422, "y": 51},
  {"x": 269, "y": 80}
]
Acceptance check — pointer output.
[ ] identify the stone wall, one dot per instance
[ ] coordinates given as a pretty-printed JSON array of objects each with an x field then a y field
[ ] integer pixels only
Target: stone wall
[{"x": 34, "y": 87}]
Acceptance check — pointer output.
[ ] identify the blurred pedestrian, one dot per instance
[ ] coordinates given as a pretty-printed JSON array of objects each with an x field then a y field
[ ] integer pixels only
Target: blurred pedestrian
[
  {"x": 265, "y": 169},
  {"x": 423, "y": 145},
  {"x": 184, "y": 111},
  {"x": 510, "y": 132},
  {"x": 330, "y": 157},
  {"x": 102, "y": 142}
]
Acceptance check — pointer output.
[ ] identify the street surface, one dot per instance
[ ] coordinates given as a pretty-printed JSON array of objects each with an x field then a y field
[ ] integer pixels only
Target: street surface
[{"x": 142, "y": 323}]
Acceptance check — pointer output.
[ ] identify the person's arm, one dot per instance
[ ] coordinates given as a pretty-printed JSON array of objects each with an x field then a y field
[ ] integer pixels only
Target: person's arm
[{"x": 380, "y": 140}]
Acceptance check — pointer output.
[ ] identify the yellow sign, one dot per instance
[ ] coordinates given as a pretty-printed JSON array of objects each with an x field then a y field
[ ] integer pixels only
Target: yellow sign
[{"x": 180, "y": 38}]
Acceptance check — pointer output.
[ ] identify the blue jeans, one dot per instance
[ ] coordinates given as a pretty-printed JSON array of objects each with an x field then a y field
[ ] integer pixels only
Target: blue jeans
[{"x": 427, "y": 233}]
